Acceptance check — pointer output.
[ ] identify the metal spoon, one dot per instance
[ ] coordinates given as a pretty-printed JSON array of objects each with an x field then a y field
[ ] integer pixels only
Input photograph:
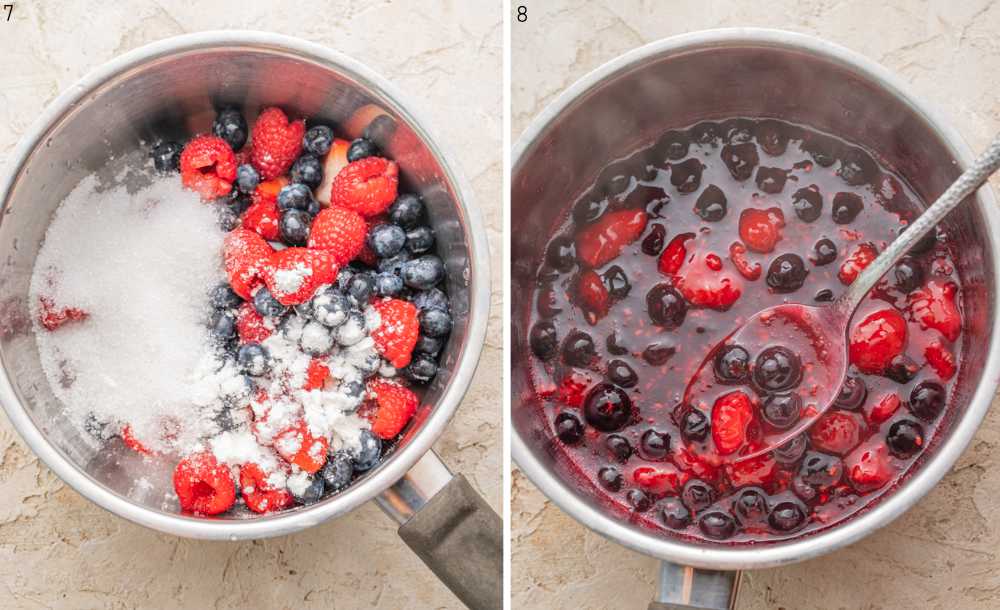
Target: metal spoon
[{"x": 817, "y": 336}]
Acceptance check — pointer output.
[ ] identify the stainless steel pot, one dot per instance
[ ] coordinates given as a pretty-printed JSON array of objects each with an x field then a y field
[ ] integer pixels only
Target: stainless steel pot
[
  {"x": 169, "y": 88},
  {"x": 675, "y": 82}
]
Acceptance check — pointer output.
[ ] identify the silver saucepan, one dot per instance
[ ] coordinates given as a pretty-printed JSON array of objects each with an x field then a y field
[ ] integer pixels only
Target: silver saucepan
[
  {"x": 628, "y": 103},
  {"x": 170, "y": 88}
]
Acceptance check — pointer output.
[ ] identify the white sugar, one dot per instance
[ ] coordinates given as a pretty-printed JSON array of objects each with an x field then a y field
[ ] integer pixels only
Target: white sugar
[{"x": 140, "y": 265}]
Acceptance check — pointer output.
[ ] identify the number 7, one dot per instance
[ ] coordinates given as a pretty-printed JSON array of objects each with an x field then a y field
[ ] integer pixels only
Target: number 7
[{"x": 10, "y": 10}]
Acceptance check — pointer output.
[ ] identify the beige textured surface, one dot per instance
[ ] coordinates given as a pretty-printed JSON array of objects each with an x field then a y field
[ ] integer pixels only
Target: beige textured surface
[
  {"x": 943, "y": 553},
  {"x": 59, "y": 551}
]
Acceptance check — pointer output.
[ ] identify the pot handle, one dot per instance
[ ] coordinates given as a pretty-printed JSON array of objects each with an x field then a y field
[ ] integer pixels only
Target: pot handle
[
  {"x": 452, "y": 529},
  {"x": 687, "y": 588}
]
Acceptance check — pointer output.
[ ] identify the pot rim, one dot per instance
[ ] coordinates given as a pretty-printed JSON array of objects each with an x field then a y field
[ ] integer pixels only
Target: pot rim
[
  {"x": 476, "y": 275},
  {"x": 920, "y": 482}
]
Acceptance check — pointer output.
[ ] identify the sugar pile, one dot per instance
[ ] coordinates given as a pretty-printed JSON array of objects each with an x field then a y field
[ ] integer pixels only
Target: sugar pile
[{"x": 139, "y": 264}]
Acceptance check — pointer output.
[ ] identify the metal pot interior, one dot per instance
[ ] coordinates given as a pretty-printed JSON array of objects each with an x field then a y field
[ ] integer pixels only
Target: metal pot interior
[
  {"x": 633, "y": 106},
  {"x": 174, "y": 96}
]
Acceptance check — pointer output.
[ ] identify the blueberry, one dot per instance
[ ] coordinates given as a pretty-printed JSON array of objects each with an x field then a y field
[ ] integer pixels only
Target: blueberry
[
  {"x": 823, "y": 295},
  {"x": 674, "y": 514},
  {"x": 361, "y": 148},
  {"x": 224, "y": 297},
  {"x": 360, "y": 288},
  {"x": 428, "y": 345},
  {"x": 307, "y": 170},
  {"x": 808, "y": 203},
  {"x": 353, "y": 330},
  {"x": 228, "y": 218},
  {"x": 731, "y": 364},
  {"x": 231, "y": 126},
  {"x": 435, "y": 322},
  {"x": 295, "y": 197},
  {"x": 852, "y": 394},
  {"x": 419, "y": 239},
  {"x": 407, "y": 211},
  {"x": 846, "y": 207},
  {"x": 253, "y": 359},
  {"x": 615, "y": 280},
  {"x": 824, "y": 252},
  {"x": 771, "y": 180},
  {"x": 717, "y": 525},
  {"x": 786, "y": 516},
  {"x": 613, "y": 343},
  {"x": 751, "y": 505},
  {"x": 706, "y": 133},
  {"x": 905, "y": 438},
  {"x": 772, "y": 137},
  {"x": 902, "y": 369},
  {"x": 370, "y": 365},
  {"x": 711, "y": 205},
  {"x": 380, "y": 130},
  {"x": 740, "y": 159},
  {"x": 856, "y": 167},
  {"x": 318, "y": 140},
  {"x": 621, "y": 374},
  {"x": 370, "y": 453},
  {"x": 908, "y": 274},
  {"x": 569, "y": 428},
  {"x": 639, "y": 500},
  {"x": 316, "y": 339},
  {"x": 738, "y": 131},
  {"x": 686, "y": 176},
  {"x": 652, "y": 244},
  {"x": 167, "y": 156},
  {"x": 610, "y": 478},
  {"x": 313, "y": 491},
  {"x": 561, "y": 254},
  {"x": 697, "y": 495},
  {"x": 239, "y": 202},
  {"x": 247, "y": 179},
  {"x": 434, "y": 298},
  {"x": 607, "y": 407},
  {"x": 782, "y": 410},
  {"x": 329, "y": 307},
  {"x": 422, "y": 369},
  {"x": 790, "y": 453},
  {"x": 694, "y": 425},
  {"x": 354, "y": 389},
  {"x": 673, "y": 145},
  {"x": 927, "y": 400},
  {"x": 294, "y": 227},
  {"x": 821, "y": 470},
  {"x": 266, "y": 305},
  {"x": 777, "y": 369},
  {"x": 223, "y": 325},
  {"x": 786, "y": 273},
  {"x": 654, "y": 445},
  {"x": 543, "y": 339},
  {"x": 337, "y": 471},
  {"x": 589, "y": 208},
  {"x": 619, "y": 447},
  {"x": 388, "y": 284},
  {"x": 657, "y": 354},
  {"x": 578, "y": 349},
  {"x": 394, "y": 265},
  {"x": 822, "y": 149},
  {"x": 344, "y": 278},
  {"x": 666, "y": 306},
  {"x": 386, "y": 240},
  {"x": 424, "y": 272}
]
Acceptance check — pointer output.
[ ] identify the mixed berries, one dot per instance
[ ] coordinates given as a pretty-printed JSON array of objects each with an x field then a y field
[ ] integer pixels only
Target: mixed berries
[
  {"x": 332, "y": 316},
  {"x": 671, "y": 250}
]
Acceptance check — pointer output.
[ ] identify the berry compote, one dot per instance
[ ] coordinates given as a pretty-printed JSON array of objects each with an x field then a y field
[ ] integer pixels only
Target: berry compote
[{"x": 672, "y": 249}]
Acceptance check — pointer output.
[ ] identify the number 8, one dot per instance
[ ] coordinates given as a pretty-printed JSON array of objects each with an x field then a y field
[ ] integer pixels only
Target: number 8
[{"x": 522, "y": 13}]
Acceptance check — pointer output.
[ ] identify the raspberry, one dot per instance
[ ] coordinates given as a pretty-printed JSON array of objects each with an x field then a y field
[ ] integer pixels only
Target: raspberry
[
  {"x": 592, "y": 294},
  {"x": 760, "y": 230},
  {"x": 316, "y": 374},
  {"x": 704, "y": 284},
  {"x": 673, "y": 256},
  {"x": 878, "y": 339},
  {"x": 760, "y": 470},
  {"x": 941, "y": 360},
  {"x": 660, "y": 479},
  {"x": 297, "y": 445},
  {"x": 275, "y": 143},
  {"x": 258, "y": 494},
  {"x": 339, "y": 231},
  {"x": 836, "y": 432},
  {"x": 860, "y": 257},
  {"x": 245, "y": 254},
  {"x": 250, "y": 325},
  {"x": 884, "y": 408},
  {"x": 203, "y": 485},
  {"x": 395, "y": 403},
  {"x": 738, "y": 254},
  {"x": 208, "y": 167},
  {"x": 398, "y": 331},
  {"x": 602, "y": 241},
  {"x": 573, "y": 389},
  {"x": 367, "y": 186},
  {"x": 293, "y": 274},
  {"x": 128, "y": 437},
  {"x": 934, "y": 306},
  {"x": 732, "y": 415},
  {"x": 868, "y": 468},
  {"x": 52, "y": 318}
]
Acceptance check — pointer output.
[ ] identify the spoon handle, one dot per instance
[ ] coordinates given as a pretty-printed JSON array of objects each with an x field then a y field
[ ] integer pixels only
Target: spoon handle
[{"x": 970, "y": 180}]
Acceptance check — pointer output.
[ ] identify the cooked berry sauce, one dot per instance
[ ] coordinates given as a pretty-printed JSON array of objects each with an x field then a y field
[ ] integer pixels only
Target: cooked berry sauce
[{"x": 671, "y": 250}]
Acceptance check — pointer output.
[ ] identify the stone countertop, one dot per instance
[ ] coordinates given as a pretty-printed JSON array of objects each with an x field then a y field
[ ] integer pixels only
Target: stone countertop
[
  {"x": 57, "y": 550},
  {"x": 944, "y": 552}
]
